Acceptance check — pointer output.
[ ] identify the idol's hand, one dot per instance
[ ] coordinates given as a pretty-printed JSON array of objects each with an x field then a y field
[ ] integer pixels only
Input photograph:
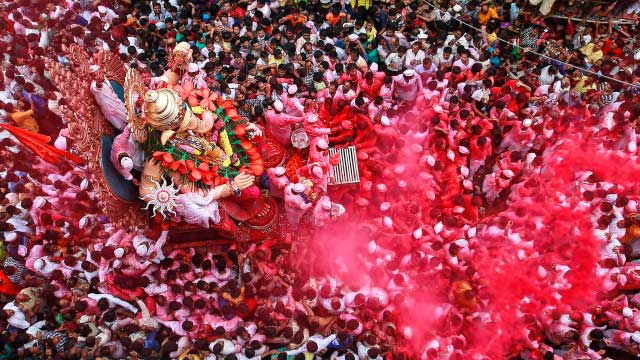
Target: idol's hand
[{"x": 243, "y": 181}]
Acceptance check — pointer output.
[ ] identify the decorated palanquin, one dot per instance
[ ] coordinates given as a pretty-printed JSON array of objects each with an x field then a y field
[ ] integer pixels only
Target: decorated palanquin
[{"x": 169, "y": 152}]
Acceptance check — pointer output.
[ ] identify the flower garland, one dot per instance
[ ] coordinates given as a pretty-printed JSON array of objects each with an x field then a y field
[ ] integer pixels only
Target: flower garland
[{"x": 241, "y": 154}]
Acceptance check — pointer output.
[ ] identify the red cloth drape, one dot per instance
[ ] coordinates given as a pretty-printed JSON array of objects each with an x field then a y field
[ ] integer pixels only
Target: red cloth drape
[{"x": 39, "y": 144}]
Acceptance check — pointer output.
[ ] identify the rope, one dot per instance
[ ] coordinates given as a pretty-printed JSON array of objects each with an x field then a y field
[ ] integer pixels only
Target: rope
[{"x": 541, "y": 55}]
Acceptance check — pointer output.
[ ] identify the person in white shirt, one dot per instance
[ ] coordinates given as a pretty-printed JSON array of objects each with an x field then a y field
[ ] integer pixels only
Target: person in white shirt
[
  {"x": 426, "y": 69},
  {"x": 156, "y": 14},
  {"x": 548, "y": 75},
  {"x": 414, "y": 56},
  {"x": 465, "y": 62},
  {"x": 396, "y": 60},
  {"x": 262, "y": 7},
  {"x": 105, "y": 14},
  {"x": 443, "y": 57},
  {"x": 305, "y": 38}
]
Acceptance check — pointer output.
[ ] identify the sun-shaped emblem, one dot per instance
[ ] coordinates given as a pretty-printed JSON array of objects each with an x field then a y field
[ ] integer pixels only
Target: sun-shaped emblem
[{"x": 162, "y": 198}]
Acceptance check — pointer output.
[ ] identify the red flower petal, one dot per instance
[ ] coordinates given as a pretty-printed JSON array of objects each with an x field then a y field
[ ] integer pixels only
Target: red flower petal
[
  {"x": 204, "y": 167},
  {"x": 182, "y": 169},
  {"x": 207, "y": 179},
  {"x": 166, "y": 157},
  {"x": 240, "y": 131},
  {"x": 174, "y": 165},
  {"x": 195, "y": 175}
]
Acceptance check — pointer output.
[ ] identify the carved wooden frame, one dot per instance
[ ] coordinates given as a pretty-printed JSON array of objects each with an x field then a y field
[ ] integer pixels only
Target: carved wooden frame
[{"x": 87, "y": 124}]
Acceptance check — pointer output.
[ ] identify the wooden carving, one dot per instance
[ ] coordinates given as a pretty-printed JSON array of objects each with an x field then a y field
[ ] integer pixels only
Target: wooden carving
[
  {"x": 112, "y": 66},
  {"x": 87, "y": 125}
]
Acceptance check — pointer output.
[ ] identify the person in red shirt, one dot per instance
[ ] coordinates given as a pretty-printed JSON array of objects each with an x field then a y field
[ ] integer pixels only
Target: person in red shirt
[
  {"x": 370, "y": 85},
  {"x": 294, "y": 19}
]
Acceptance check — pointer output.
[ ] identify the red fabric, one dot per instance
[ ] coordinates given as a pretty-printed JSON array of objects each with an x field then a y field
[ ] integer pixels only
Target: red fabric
[
  {"x": 38, "y": 143},
  {"x": 292, "y": 166},
  {"x": 124, "y": 294},
  {"x": 7, "y": 287},
  {"x": 252, "y": 304}
]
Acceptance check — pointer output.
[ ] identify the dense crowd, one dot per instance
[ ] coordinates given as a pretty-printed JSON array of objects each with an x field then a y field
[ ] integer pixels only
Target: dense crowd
[{"x": 458, "y": 110}]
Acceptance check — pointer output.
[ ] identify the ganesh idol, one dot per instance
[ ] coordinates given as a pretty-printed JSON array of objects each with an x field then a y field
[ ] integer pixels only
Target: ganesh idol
[{"x": 200, "y": 156}]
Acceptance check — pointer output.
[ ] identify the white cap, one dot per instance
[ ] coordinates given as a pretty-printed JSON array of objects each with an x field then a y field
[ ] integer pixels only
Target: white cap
[
  {"x": 372, "y": 246},
  {"x": 463, "y": 150},
  {"x": 322, "y": 144},
  {"x": 477, "y": 95},
  {"x": 38, "y": 264},
  {"x": 292, "y": 89},
  {"x": 10, "y": 236},
  {"x": 467, "y": 184},
  {"x": 279, "y": 170},
  {"x": 141, "y": 249},
  {"x": 437, "y": 109},
  {"x": 373, "y": 67},
  {"x": 312, "y": 118},
  {"x": 84, "y": 221},
  {"x": 471, "y": 232},
  {"x": 94, "y": 68},
  {"x": 451, "y": 155},
  {"x": 530, "y": 157},
  {"x": 464, "y": 171},
  {"x": 437, "y": 228},
  {"x": 385, "y": 206},
  {"x": 527, "y": 122},
  {"x": 381, "y": 188},
  {"x": 508, "y": 173},
  {"x": 352, "y": 37},
  {"x": 317, "y": 171},
  {"x": 278, "y": 106},
  {"x": 192, "y": 67},
  {"x": 409, "y": 73},
  {"x": 298, "y": 188},
  {"x": 39, "y": 202},
  {"x": 423, "y": 36},
  {"x": 84, "y": 184},
  {"x": 326, "y": 205},
  {"x": 384, "y": 120},
  {"x": 457, "y": 8},
  {"x": 102, "y": 9},
  {"x": 387, "y": 222},
  {"x": 430, "y": 160},
  {"x": 417, "y": 233},
  {"x": 119, "y": 252},
  {"x": 399, "y": 169}
]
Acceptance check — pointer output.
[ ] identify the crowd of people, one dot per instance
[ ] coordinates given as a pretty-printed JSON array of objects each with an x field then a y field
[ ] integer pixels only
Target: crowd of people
[{"x": 458, "y": 111}]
